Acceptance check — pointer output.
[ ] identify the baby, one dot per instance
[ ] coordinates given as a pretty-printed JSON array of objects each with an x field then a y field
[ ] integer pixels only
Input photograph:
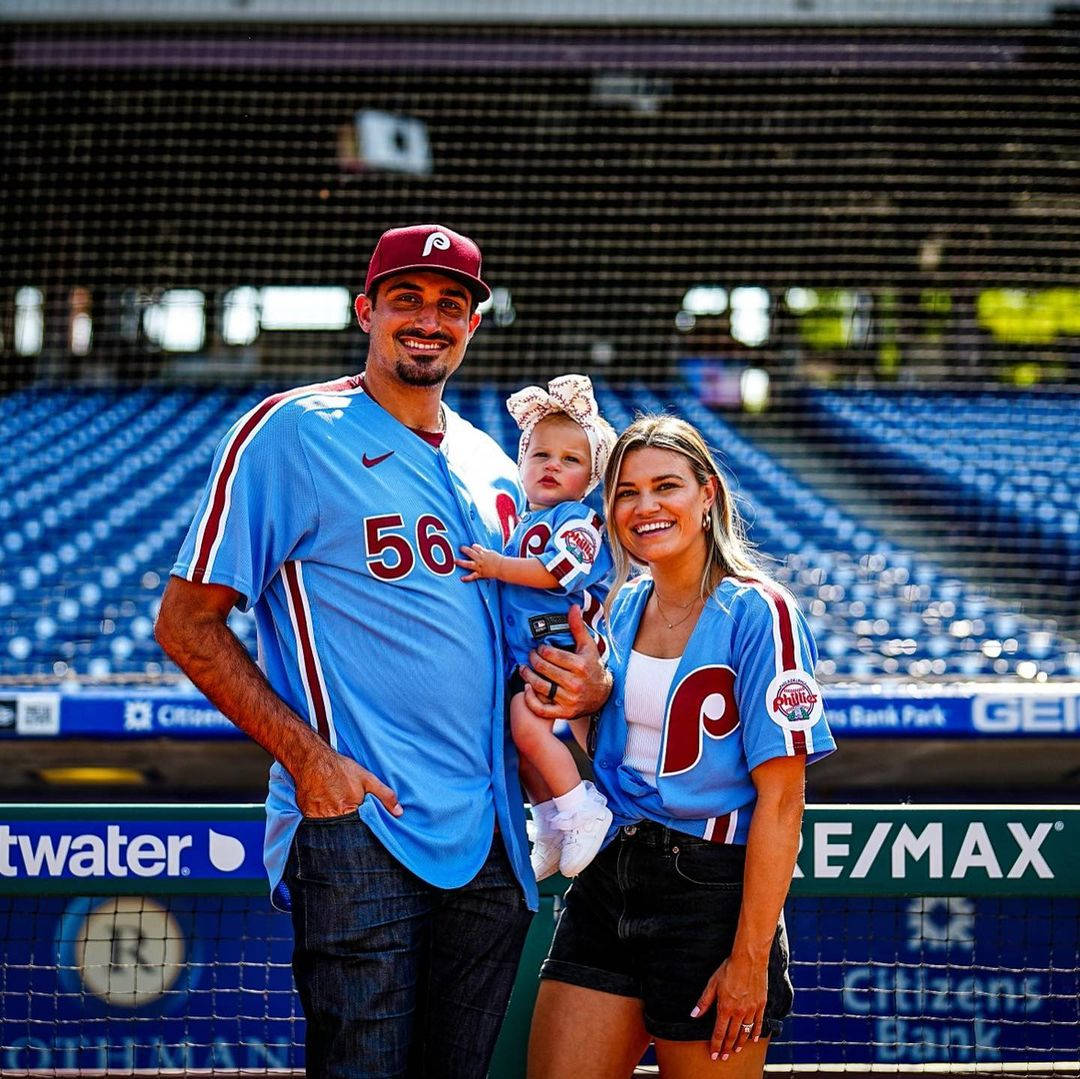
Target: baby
[{"x": 556, "y": 557}]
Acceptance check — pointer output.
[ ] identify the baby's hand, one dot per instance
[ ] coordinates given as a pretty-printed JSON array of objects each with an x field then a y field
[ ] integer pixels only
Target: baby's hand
[{"x": 479, "y": 561}]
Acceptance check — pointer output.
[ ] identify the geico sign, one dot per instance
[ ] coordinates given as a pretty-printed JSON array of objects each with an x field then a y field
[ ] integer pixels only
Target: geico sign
[
  {"x": 1031, "y": 714},
  {"x": 1013, "y": 853}
]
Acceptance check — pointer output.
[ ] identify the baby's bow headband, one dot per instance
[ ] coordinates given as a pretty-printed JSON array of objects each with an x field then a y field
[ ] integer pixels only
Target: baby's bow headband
[{"x": 569, "y": 395}]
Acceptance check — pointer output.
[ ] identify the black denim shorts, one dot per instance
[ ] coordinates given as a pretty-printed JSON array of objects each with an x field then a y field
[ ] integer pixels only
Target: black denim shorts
[{"x": 652, "y": 917}]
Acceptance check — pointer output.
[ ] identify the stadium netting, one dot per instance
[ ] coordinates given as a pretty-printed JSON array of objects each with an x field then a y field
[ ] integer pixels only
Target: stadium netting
[
  {"x": 820, "y": 221},
  {"x": 186, "y": 968},
  {"x": 842, "y": 237}
]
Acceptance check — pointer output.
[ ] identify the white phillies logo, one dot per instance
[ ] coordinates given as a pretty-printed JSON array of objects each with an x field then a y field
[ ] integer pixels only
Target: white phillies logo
[{"x": 438, "y": 240}]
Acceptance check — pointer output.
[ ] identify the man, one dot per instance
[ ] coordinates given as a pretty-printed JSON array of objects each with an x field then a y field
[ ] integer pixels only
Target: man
[{"x": 394, "y": 819}]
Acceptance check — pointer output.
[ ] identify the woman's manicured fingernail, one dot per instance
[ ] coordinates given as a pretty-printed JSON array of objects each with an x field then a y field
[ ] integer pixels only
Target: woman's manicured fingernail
[
  {"x": 696, "y": 1012},
  {"x": 715, "y": 1055},
  {"x": 738, "y": 1048}
]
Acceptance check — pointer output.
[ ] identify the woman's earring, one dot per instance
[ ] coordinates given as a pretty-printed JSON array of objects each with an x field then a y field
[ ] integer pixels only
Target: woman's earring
[{"x": 705, "y": 521}]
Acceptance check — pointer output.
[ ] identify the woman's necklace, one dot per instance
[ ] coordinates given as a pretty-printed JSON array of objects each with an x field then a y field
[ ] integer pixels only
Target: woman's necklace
[{"x": 688, "y": 607}]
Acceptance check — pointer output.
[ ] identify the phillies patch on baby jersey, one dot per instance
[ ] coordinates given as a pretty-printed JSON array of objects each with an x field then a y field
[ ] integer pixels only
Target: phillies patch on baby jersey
[
  {"x": 568, "y": 541},
  {"x": 582, "y": 544}
]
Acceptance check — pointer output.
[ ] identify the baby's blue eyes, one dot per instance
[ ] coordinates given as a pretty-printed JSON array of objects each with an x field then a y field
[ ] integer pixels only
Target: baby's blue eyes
[{"x": 542, "y": 454}]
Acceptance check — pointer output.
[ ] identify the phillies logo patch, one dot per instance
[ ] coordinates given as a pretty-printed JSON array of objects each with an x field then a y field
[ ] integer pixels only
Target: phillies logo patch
[
  {"x": 581, "y": 544},
  {"x": 793, "y": 700}
]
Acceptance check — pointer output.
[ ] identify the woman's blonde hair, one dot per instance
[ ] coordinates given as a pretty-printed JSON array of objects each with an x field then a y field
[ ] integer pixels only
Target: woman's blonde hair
[{"x": 729, "y": 552}]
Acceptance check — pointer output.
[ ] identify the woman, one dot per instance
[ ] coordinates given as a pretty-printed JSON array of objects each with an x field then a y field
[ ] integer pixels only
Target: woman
[{"x": 675, "y": 932}]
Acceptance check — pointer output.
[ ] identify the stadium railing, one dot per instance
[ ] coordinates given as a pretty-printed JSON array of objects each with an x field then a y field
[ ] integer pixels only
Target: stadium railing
[{"x": 925, "y": 939}]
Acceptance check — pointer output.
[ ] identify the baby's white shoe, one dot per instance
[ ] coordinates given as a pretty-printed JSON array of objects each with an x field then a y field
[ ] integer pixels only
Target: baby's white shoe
[
  {"x": 583, "y": 830},
  {"x": 547, "y": 841}
]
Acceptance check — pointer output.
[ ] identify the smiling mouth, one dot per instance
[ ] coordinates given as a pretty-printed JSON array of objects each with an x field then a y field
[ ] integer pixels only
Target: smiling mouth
[
  {"x": 652, "y": 528},
  {"x": 423, "y": 345}
]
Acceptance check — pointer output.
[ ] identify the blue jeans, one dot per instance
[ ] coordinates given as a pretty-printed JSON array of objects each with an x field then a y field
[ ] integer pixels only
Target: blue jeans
[{"x": 397, "y": 977}]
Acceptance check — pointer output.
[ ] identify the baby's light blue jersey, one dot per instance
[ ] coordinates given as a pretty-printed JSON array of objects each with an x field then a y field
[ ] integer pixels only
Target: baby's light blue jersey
[
  {"x": 340, "y": 526},
  {"x": 743, "y": 693},
  {"x": 569, "y": 541}
]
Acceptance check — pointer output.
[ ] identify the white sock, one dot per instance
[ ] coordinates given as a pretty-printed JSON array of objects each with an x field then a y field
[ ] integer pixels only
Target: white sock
[
  {"x": 572, "y": 799},
  {"x": 543, "y": 813}
]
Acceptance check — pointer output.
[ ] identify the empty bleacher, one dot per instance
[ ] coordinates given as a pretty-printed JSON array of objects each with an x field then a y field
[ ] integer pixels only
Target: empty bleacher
[
  {"x": 875, "y": 608},
  {"x": 97, "y": 488},
  {"x": 1001, "y": 469}
]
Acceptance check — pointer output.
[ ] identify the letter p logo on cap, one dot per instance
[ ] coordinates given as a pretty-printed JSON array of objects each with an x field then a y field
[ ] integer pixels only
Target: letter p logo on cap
[{"x": 437, "y": 240}]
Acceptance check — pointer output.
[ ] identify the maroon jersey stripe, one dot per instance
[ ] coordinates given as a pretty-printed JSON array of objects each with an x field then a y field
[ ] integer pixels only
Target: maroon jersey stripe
[
  {"x": 562, "y": 569},
  {"x": 592, "y": 612},
  {"x": 787, "y": 635},
  {"x": 798, "y": 743},
  {"x": 720, "y": 829},
  {"x": 782, "y": 614},
  {"x": 216, "y": 509},
  {"x": 306, "y": 645}
]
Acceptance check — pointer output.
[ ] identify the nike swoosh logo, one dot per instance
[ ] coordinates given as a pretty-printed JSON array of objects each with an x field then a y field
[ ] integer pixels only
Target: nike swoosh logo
[{"x": 371, "y": 462}]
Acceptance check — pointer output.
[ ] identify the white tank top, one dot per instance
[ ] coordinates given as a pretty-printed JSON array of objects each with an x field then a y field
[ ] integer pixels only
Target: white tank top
[{"x": 648, "y": 680}]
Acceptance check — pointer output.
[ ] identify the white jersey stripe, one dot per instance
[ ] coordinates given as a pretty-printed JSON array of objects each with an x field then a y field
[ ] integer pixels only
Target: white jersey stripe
[
  {"x": 774, "y": 595},
  {"x": 320, "y": 687},
  {"x": 215, "y": 482},
  {"x": 320, "y": 713},
  {"x": 292, "y": 600},
  {"x": 221, "y": 482},
  {"x": 228, "y": 481}
]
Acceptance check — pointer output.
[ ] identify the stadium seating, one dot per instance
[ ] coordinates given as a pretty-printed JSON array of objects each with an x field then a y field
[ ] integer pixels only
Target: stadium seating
[
  {"x": 97, "y": 488},
  {"x": 875, "y": 609},
  {"x": 1003, "y": 467}
]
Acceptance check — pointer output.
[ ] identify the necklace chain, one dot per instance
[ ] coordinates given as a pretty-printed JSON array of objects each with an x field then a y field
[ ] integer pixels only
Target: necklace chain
[{"x": 689, "y": 608}]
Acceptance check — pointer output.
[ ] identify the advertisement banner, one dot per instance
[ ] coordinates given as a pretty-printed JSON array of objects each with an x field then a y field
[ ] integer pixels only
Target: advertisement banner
[
  {"x": 932, "y": 980},
  {"x": 939, "y": 850},
  {"x": 140, "y": 937},
  {"x": 113, "y": 850},
  {"x": 974, "y": 710}
]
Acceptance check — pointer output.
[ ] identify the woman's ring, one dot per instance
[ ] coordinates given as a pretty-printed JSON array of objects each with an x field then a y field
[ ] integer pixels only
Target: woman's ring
[
  {"x": 748, "y": 1028},
  {"x": 551, "y": 692}
]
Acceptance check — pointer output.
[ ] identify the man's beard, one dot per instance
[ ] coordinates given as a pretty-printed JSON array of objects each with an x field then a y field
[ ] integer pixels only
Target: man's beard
[{"x": 419, "y": 374}]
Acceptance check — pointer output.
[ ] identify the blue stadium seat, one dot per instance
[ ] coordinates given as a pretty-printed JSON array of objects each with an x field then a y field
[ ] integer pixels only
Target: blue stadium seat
[
  {"x": 97, "y": 488},
  {"x": 1004, "y": 466}
]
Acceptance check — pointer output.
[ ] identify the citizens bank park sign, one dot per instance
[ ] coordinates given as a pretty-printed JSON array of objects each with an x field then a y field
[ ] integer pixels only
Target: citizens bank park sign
[
  {"x": 991, "y": 710},
  {"x": 845, "y": 850}
]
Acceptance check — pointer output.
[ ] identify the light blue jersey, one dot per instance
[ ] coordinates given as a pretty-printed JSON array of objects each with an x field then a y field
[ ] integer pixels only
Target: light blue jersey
[
  {"x": 339, "y": 526},
  {"x": 569, "y": 542},
  {"x": 743, "y": 693}
]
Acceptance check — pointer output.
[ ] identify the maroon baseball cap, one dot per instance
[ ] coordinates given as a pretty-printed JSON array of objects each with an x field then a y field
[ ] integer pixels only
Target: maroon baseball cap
[{"x": 427, "y": 247}]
